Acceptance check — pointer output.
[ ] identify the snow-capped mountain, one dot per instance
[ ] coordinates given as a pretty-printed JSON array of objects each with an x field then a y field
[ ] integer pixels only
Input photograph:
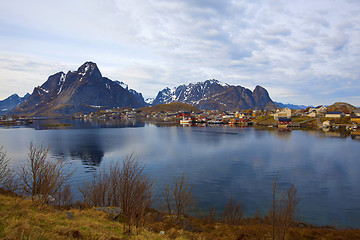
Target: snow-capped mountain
[
  {"x": 12, "y": 102},
  {"x": 213, "y": 94},
  {"x": 150, "y": 101},
  {"x": 81, "y": 91}
]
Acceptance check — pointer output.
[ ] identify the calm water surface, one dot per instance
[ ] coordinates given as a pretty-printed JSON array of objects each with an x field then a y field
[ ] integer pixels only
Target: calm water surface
[{"x": 220, "y": 161}]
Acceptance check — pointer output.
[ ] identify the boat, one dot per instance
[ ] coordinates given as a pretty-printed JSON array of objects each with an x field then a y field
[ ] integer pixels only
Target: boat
[{"x": 186, "y": 120}]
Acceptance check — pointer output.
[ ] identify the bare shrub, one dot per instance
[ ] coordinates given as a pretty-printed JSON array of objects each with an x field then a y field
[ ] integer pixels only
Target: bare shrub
[
  {"x": 95, "y": 192},
  {"x": 135, "y": 191},
  {"x": 6, "y": 174},
  {"x": 283, "y": 210},
  {"x": 211, "y": 217},
  {"x": 179, "y": 196},
  {"x": 65, "y": 197},
  {"x": 167, "y": 198},
  {"x": 40, "y": 178},
  {"x": 123, "y": 185},
  {"x": 233, "y": 213}
]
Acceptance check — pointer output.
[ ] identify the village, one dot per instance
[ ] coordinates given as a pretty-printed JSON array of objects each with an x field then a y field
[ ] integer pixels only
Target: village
[{"x": 285, "y": 118}]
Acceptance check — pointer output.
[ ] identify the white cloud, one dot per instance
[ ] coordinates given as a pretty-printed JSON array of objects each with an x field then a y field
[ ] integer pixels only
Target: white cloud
[{"x": 293, "y": 46}]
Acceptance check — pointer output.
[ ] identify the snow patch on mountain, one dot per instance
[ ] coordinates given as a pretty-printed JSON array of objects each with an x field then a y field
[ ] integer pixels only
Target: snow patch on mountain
[
  {"x": 122, "y": 84},
  {"x": 149, "y": 101}
]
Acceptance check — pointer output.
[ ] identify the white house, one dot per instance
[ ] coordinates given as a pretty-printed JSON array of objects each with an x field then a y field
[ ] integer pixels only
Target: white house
[
  {"x": 285, "y": 113},
  {"x": 319, "y": 109}
]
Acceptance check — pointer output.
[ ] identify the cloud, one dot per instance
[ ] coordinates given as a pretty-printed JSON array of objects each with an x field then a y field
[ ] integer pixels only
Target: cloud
[
  {"x": 338, "y": 42},
  {"x": 279, "y": 31},
  {"x": 151, "y": 44}
]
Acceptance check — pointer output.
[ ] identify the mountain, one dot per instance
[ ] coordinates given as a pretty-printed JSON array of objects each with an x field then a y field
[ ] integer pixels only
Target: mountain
[
  {"x": 213, "y": 94},
  {"x": 150, "y": 101},
  {"x": 291, "y": 106},
  {"x": 12, "y": 102},
  {"x": 341, "y": 107},
  {"x": 137, "y": 95},
  {"x": 81, "y": 91}
]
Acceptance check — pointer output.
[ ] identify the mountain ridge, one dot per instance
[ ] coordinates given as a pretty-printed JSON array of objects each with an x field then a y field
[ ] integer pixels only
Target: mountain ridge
[
  {"x": 213, "y": 94},
  {"x": 12, "y": 102}
]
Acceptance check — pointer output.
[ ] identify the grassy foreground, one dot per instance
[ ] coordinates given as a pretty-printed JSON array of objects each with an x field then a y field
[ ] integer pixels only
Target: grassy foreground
[{"x": 20, "y": 219}]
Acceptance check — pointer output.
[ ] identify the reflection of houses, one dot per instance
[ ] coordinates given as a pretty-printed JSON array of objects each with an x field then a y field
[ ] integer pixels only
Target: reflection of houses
[
  {"x": 326, "y": 124},
  {"x": 355, "y": 135},
  {"x": 332, "y": 134},
  {"x": 334, "y": 114},
  {"x": 285, "y": 113}
]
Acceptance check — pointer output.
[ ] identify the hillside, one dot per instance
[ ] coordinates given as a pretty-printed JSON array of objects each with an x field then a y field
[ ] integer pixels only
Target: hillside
[
  {"x": 20, "y": 219},
  {"x": 170, "y": 107},
  {"x": 340, "y": 107}
]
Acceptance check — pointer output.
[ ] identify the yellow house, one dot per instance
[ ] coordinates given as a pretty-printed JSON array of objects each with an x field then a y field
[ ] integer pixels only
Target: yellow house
[
  {"x": 334, "y": 114},
  {"x": 355, "y": 119}
]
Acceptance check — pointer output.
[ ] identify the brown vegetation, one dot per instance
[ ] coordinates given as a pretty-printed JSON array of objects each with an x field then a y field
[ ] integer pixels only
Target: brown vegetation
[
  {"x": 6, "y": 175},
  {"x": 125, "y": 186},
  {"x": 282, "y": 214},
  {"x": 233, "y": 213},
  {"x": 179, "y": 197},
  {"x": 42, "y": 179},
  {"x": 340, "y": 107},
  {"x": 20, "y": 219}
]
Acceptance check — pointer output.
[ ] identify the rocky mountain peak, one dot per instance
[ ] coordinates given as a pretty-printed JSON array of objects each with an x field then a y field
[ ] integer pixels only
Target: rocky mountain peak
[
  {"x": 53, "y": 81},
  {"x": 89, "y": 69}
]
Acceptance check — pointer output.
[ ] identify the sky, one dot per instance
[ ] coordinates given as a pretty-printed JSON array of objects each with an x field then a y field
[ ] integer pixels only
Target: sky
[{"x": 301, "y": 51}]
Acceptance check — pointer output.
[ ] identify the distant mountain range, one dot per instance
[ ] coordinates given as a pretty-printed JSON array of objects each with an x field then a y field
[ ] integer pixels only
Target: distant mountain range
[
  {"x": 12, "y": 102},
  {"x": 81, "y": 91},
  {"x": 213, "y": 94},
  {"x": 291, "y": 106},
  {"x": 86, "y": 90}
]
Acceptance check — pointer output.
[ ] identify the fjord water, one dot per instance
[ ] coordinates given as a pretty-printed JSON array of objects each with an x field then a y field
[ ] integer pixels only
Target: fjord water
[{"x": 220, "y": 161}]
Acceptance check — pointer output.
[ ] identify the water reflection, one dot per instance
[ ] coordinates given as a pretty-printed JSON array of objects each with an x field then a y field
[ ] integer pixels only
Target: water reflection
[
  {"x": 88, "y": 145},
  {"x": 221, "y": 162},
  {"x": 63, "y": 123}
]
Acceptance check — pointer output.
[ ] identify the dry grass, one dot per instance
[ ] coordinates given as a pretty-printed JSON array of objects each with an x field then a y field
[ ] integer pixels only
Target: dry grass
[{"x": 20, "y": 219}]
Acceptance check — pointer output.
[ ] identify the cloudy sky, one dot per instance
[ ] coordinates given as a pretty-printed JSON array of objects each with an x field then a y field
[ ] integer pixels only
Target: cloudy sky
[{"x": 301, "y": 51}]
